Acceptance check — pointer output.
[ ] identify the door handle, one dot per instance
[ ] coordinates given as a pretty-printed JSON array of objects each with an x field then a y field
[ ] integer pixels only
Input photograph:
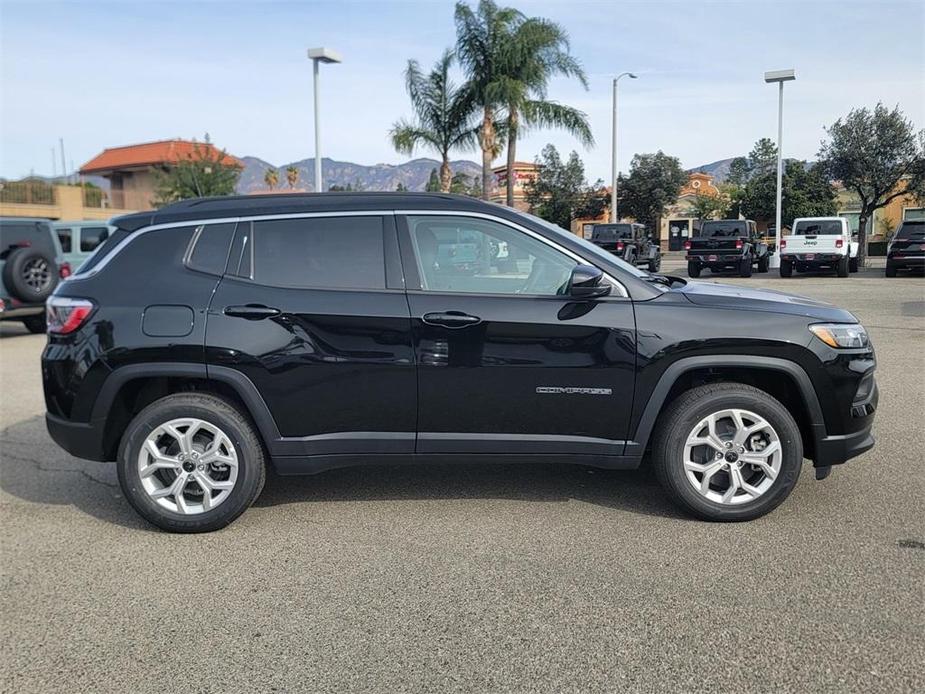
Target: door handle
[
  {"x": 252, "y": 311},
  {"x": 450, "y": 319}
]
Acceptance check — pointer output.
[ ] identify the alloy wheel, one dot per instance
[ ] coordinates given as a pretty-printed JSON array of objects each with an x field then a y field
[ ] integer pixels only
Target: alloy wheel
[
  {"x": 188, "y": 466},
  {"x": 732, "y": 456},
  {"x": 37, "y": 274}
]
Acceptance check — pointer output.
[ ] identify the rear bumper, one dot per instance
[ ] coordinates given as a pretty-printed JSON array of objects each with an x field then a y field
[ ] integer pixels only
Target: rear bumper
[
  {"x": 906, "y": 261},
  {"x": 817, "y": 259},
  {"x": 80, "y": 439},
  {"x": 714, "y": 259},
  {"x": 12, "y": 311}
]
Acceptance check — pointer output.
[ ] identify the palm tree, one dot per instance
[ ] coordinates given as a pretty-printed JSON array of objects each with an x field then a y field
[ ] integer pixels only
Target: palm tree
[
  {"x": 537, "y": 51},
  {"x": 271, "y": 178},
  {"x": 443, "y": 115},
  {"x": 292, "y": 176},
  {"x": 482, "y": 39}
]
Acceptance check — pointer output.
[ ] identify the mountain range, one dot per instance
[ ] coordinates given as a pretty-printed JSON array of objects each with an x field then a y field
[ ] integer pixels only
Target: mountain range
[{"x": 413, "y": 174}]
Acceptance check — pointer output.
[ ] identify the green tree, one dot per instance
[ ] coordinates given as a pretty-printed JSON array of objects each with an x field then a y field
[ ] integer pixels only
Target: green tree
[
  {"x": 292, "y": 176},
  {"x": 654, "y": 182},
  {"x": 878, "y": 156},
  {"x": 483, "y": 40},
  {"x": 559, "y": 193},
  {"x": 443, "y": 115},
  {"x": 401, "y": 188},
  {"x": 738, "y": 171},
  {"x": 207, "y": 172},
  {"x": 464, "y": 184},
  {"x": 433, "y": 183},
  {"x": 806, "y": 192},
  {"x": 271, "y": 177},
  {"x": 763, "y": 157},
  {"x": 537, "y": 51},
  {"x": 708, "y": 206}
]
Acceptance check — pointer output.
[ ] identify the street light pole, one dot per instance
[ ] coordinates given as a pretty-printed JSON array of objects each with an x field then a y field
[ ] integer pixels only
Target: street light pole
[
  {"x": 613, "y": 170},
  {"x": 319, "y": 55},
  {"x": 779, "y": 76}
]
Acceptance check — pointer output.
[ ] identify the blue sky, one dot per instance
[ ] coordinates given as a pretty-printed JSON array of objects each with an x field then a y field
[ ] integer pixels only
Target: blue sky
[{"x": 105, "y": 74}]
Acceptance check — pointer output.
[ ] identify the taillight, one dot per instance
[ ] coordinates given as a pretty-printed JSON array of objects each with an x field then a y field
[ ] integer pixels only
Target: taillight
[
  {"x": 839, "y": 243},
  {"x": 64, "y": 314},
  {"x": 687, "y": 245},
  {"x": 619, "y": 245},
  {"x": 738, "y": 244},
  {"x": 64, "y": 270},
  {"x": 783, "y": 244}
]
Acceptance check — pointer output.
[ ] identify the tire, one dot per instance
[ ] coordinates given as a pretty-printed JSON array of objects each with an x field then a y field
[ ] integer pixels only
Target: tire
[
  {"x": 36, "y": 323},
  {"x": 786, "y": 268},
  {"x": 852, "y": 264},
  {"x": 681, "y": 420},
  {"x": 30, "y": 275},
  {"x": 764, "y": 263},
  {"x": 655, "y": 263},
  {"x": 213, "y": 412},
  {"x": 745, "y": 267},
  {"x": 890, "y": 270},
  {"x": 841, "y": 267},
  {"x": 693, "y": 269}
]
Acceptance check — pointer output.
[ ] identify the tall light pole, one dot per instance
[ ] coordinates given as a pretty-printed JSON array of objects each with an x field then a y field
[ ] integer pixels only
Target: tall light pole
[
  {"x": 613, "y": 187},
  {"x": 779, "y": 76},
  {"x": 320, "y": 55}
]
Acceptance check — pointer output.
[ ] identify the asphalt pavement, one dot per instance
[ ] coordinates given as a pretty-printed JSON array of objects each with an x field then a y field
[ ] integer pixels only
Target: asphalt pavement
[{"x": 476, "y": 578}]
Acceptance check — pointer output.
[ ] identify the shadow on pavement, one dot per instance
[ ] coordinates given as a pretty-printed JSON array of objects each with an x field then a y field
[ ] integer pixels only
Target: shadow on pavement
[{"x": 33, "y": 469}]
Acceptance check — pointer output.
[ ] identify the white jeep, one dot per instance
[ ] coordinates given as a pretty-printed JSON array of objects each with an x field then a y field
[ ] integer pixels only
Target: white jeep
[{"x": 818, "y": 242}]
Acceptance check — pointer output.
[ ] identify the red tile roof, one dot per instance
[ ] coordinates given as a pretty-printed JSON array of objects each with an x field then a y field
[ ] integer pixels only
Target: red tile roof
[{"x": 149, "y": 154}]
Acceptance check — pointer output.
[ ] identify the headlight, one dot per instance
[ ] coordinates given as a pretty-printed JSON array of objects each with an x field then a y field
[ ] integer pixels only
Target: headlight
[{"x": 845, "y": 335}]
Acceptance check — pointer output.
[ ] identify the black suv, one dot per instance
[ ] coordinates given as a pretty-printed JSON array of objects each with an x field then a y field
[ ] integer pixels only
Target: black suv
[
  {"x": 906, "y": 250},
  {"x": 727, "y": 243},
  {"x": 211, "y": 339},
  {"x": 630, "y": 242},
  {"x": 30, "y": 266}
]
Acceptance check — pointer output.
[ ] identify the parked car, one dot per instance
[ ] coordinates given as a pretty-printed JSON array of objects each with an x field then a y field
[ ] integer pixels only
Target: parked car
[
  {"x": 31, "y": 265},
  {"x": 906, "y": 250},
  {"x": 308, "y": 332},
  {"x": 817, "y": 243},
  {"x": 630, "y": 242},
  {"x": 79, "y": 239},
  {"x": 725, "y": 244}
]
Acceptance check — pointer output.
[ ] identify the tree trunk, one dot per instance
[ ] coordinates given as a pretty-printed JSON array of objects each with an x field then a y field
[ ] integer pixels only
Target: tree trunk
[
  {"x": 511, "y": 155},
  {"x": 446, "y": 175},
  {"x": 862, "y": 237},
  {"x": 487, "y": 141}
]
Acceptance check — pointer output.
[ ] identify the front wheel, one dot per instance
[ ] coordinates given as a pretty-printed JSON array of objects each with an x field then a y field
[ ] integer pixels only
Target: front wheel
[
  {"x": 191, "y": 463},
  {"x": 727, "y": 452},
  {"x": 693, "y": 269}
]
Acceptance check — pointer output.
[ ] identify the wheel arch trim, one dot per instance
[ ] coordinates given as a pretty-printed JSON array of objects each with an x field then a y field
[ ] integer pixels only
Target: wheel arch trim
[{"x": 638, "y": 444}]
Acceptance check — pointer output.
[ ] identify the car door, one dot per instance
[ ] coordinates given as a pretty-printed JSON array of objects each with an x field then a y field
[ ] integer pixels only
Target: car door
[
  {"x": 312, "y": 311},
  {"x": 507, "y": 363}
]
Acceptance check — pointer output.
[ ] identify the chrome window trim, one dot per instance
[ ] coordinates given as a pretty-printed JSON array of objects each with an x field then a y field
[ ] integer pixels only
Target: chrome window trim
[{"x": 623, "y": 293}]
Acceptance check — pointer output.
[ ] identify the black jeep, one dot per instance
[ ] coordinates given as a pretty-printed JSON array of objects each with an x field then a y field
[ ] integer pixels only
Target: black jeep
[
  {"x": 213, "y": 339},
  {"x": 727, "y": 244},
  {"x": 629, "y": 242}
]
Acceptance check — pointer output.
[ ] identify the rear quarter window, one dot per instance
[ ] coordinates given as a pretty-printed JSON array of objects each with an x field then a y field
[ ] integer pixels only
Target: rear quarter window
[
  {"x": 92, "y": 237},
  {"x": 209, "y": 251}
]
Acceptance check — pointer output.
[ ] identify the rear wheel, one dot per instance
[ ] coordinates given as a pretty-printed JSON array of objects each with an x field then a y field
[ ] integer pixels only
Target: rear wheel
[
  {"x": 745, "y": 267},
  {"x": 890, "y": 269},
  {"x": 841, "y": 267},
  {"x": 191, "y": 463},
  {"x": 786, "y": 268},
  {"x": 693, "y": 269},
  {"x": 655, "y": 263},
  {"x": 727, "y": 452}
]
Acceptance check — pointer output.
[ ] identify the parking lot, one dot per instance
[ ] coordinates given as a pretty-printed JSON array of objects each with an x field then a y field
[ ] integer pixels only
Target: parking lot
[{"x": 478, "y": 578}]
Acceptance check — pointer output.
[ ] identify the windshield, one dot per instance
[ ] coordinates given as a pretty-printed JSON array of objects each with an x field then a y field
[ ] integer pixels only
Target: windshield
[
  {"x": 611, "y": 232},
  {"x": 911, "y": 230},
  {"x": 713, "y": 230},
  {"x": 825, "y": 227},
  {"x": 588, "y": 248}
]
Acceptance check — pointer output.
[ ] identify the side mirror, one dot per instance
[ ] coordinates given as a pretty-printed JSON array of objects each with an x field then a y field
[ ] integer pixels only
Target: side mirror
[{"x": 587, "y": 282}]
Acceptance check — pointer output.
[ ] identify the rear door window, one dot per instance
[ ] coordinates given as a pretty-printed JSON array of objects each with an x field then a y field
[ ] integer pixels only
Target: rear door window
[
  {"x": 65, "y": 237},
  {"x": 320, "y": 252}
]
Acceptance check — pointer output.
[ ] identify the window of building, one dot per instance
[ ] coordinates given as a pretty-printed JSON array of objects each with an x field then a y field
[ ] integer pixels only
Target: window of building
[
  {"x": 91, "y": 237},
  {"x": 320, "y": 252},
  {"x": 468, "y": 254}
]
